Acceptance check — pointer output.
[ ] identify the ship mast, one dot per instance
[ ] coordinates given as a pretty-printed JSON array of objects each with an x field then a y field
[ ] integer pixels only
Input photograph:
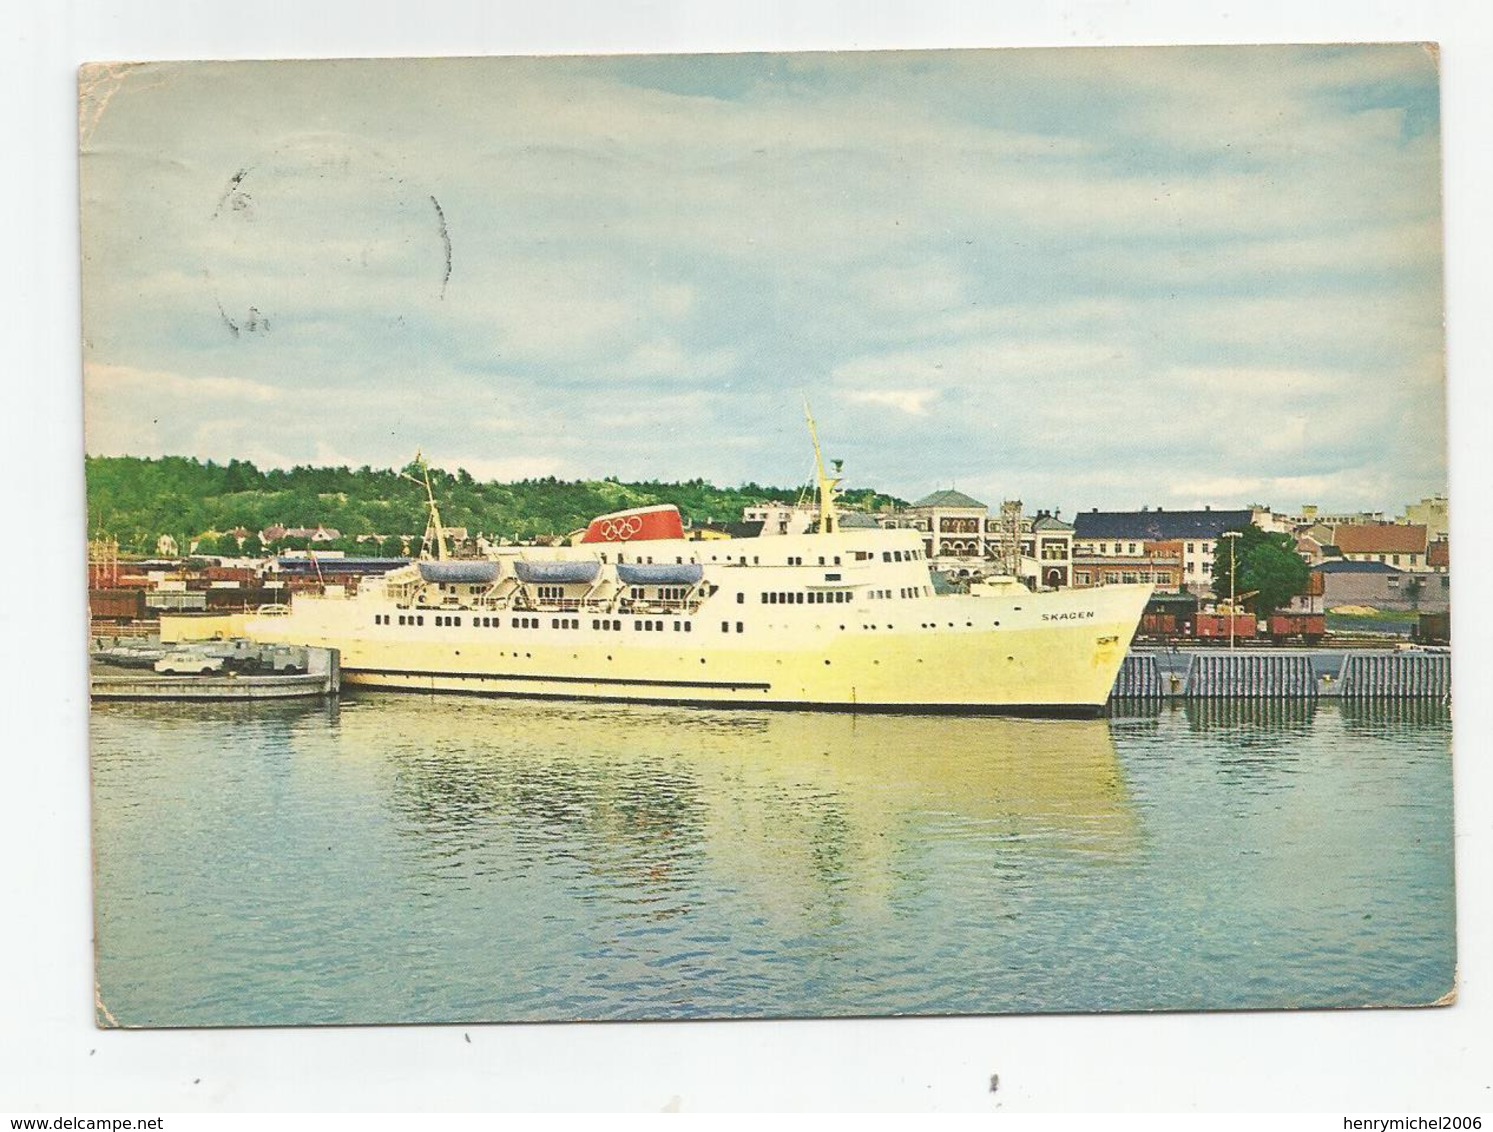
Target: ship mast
[
  {"x": 433, "y": 529},
  {"x": 829, "y": 486}
]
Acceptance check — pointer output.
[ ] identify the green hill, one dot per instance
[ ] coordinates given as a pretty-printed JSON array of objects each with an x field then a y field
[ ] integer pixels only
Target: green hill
[{"x": 137, "y": 500}]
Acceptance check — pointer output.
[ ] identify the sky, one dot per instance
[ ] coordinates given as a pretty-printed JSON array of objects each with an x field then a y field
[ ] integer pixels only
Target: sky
[{"x": 1083, "y": 278}]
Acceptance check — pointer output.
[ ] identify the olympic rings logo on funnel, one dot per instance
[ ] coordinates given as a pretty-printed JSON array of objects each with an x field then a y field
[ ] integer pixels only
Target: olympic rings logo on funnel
[{"x": 620, "y": 530}]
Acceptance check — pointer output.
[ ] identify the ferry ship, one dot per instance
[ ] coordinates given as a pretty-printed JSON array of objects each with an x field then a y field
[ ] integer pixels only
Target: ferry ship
[{"x": 841, "y": 617}]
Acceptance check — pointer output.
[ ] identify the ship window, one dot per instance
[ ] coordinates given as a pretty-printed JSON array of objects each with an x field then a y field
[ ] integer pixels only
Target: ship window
[
  {"x": 886, "y": 555},
  {"x": 725, "y": 626},
  {"x": 837, "y": 560},
  {"x": 741, "y": 597},
  {"x": 832, "y": 577},
  {"x": 689, "y": 626},
  {"x": 458, "y": 621},
  {"x": 738, "y": 626},
  {"x": 420, "y": 620}
]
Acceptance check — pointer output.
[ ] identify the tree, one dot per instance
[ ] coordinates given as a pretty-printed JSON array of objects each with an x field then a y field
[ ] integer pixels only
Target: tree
[{"x": 1267, "y": 564}]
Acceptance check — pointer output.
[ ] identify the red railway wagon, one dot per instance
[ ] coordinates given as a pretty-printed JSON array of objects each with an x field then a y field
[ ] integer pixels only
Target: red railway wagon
[
  {"x": 1215, "y": 626},
  {"x": 1310, "y": 627},
  {"x": 116, "y": 604},
  {"x": 1158, "y": 625}
]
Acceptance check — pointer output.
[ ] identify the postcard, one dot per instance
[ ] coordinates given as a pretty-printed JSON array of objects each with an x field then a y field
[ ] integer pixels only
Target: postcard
[{"x": 767, "y": 535}]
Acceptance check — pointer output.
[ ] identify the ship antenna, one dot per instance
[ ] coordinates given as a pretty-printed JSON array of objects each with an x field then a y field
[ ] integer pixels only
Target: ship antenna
[
  {"x": 829, "y": 486},
  {"x": 433, "y": 526}
]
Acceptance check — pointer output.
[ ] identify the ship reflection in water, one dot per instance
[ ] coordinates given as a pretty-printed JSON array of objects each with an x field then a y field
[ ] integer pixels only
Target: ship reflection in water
[
  {"x": 799, "y": 814},
  {"x": 410, "y": 858}
]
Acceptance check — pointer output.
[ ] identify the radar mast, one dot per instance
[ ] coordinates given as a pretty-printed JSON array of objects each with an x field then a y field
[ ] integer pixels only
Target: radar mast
[
  {"x": 434, "y": 532},
  {"x": 829, "y": 486}
]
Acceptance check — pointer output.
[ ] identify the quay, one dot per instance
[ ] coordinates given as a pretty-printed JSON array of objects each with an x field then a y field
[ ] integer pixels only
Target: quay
[
  {"x": 220, "y": 670},
  {"x": 1285, "y": 673}
]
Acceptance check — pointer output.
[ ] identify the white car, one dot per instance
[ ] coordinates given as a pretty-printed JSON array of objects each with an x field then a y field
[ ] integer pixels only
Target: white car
[{"x": 184, "y": 663}]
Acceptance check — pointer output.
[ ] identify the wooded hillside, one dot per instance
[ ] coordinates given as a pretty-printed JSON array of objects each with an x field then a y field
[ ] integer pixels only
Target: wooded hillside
[{"x": 138, "y": 500}]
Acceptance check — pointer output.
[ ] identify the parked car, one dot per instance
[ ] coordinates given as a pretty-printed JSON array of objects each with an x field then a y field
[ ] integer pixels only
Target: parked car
[{"x": 186, "y": 663}]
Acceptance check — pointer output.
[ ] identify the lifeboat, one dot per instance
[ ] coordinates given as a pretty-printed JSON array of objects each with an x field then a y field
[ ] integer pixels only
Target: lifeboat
[
  {"x": 556, "y": 573},
  {"x": 472, "y": 572},
  {"x": 663, "y": 574}
]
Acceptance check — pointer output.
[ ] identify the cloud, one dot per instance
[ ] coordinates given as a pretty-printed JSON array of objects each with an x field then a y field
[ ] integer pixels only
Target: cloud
[
  {"x": 1189, "y": 267},
  {"x": 911, "y": 401}
]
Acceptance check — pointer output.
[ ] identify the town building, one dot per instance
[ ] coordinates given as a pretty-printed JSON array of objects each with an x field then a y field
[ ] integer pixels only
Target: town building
[
  {"x": 1049, "y": 541},
  {"x": 1433, "y": 513},
  {"x": 1146, "y": 541},
  {"x": 953, "y": 527},
  {"x": 1312, "y": 515},
  {"x": 1398, "y": 545},
  {"x": 1375, "y": 585},
  {"x": 1157, "y": 562}
]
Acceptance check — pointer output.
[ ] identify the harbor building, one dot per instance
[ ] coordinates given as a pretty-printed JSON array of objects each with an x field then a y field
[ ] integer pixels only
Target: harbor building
[
  {"x": 1433, "y": 513},
  {"x": 1397, "y": 545},
  {"x": 1180, "y": 545},
  {"x": 1375, "y": 585},
  {"x": 1049, "y": 540},
  {"x": 1157, "y": 562}
]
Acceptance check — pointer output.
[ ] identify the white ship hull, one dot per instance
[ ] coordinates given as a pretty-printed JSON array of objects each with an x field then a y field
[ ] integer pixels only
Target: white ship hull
[{"x": 845, "y": 621}]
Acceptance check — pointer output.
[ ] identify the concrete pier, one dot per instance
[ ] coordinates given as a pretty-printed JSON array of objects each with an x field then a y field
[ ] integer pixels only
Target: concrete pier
[{"x": 1256, "y": 673}]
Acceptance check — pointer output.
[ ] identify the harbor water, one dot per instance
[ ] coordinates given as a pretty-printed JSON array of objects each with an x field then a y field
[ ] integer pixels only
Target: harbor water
[{"x": 405, "y": 858}]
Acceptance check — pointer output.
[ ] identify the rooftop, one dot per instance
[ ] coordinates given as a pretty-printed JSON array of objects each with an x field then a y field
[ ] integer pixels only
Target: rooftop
[
  {"x": 950, "y": 498},
  {"x": 1050, "y": 523},
  {"x": 1158, "y": 526},
  {"x": 1345, "y": 566},
  {"x": 1386, "y": 538}
]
